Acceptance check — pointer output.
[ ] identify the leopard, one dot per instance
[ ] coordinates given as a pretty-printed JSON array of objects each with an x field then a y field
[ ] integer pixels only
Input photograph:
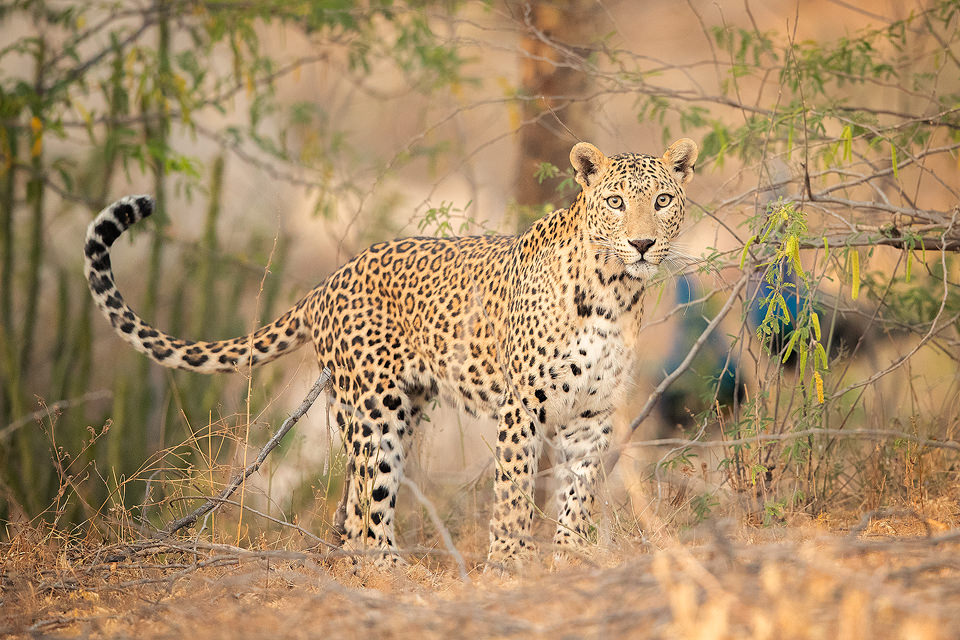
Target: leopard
[{"x": 529, "y": 329}]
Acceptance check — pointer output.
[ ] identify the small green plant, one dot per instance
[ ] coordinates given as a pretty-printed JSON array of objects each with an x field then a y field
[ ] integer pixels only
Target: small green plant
[
  {"x": 792, "y": 327},
  {"x": 448, "y": 220},
  {"x": 545, "y": 171},
  {"x": 774, "y": 512},
  {"x": 703, "y": 505}
]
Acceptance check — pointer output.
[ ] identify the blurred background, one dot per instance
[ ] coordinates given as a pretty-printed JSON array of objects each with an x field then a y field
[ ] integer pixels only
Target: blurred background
[{"x": 281, "y": 138}]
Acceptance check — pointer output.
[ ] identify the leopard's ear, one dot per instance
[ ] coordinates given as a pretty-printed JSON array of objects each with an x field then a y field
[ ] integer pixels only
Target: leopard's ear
[
  {"x": 589, "y": 164},
  {"x": 680, "y": 159}
]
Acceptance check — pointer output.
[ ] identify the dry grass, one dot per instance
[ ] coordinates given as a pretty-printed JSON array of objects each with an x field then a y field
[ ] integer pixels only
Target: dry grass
[{"x": 895, "y": 576}]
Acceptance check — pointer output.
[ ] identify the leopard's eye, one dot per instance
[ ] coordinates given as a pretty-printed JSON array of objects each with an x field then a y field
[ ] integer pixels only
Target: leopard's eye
[
  {"x": 615, "y": 202},
  {"x": 663, "y": 200}
]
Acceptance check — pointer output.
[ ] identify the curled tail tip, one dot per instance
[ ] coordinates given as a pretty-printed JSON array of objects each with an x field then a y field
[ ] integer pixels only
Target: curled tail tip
[
  {"x": 129, "y": 210},
  {"x": 114, "y": 220},
  {"x": 144, "y": 205}
]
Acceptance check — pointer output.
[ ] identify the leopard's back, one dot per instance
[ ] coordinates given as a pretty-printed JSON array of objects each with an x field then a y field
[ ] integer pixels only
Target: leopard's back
[{"x": 427, "y": 312}]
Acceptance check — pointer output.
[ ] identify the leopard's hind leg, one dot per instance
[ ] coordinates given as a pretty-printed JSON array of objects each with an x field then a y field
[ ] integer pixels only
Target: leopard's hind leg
[{"x": 376, "y": 426}]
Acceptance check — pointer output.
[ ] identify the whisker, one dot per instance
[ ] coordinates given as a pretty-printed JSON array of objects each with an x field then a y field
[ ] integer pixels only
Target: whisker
[
  {"x": 605, "y": 249},
  {"x": 680, "y": 254}
]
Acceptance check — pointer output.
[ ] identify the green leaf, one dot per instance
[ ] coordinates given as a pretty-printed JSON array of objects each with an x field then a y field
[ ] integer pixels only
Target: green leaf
[
  {"x": 820, "y": 354},
  {"x": 545, "y": 171},
  {"x": 789, "y": 350},
  {"x": 746, "y": 248},
  {"x": 854, "y": 274},
  {"x": 793, "y": 250}
]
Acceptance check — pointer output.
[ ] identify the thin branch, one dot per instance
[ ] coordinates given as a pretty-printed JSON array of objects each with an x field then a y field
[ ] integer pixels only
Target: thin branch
[
  {"x": 868, "y": 434},
  {"x": 441, "y": 529},
  {"x": 934, "y": 243},
  {"x": 280, "y": 521},
  {"x": 611, "y": 459},
  {"x": 40, "y": 414},
  {"x": 82, "y": 68}
]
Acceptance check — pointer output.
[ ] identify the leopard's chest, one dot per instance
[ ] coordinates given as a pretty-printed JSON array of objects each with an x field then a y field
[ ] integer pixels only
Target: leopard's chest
[{"x": 591, "y": 374}]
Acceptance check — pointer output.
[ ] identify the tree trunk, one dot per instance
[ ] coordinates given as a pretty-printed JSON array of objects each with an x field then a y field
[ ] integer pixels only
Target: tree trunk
[{"x": 555, "y": 116}]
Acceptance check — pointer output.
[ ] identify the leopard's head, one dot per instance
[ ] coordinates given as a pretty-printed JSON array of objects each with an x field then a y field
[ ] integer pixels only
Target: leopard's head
[{"x": 633, "y": 204}]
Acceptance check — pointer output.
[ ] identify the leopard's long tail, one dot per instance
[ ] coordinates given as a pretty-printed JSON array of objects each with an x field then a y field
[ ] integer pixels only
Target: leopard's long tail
[{"x": 283, "y": 335}]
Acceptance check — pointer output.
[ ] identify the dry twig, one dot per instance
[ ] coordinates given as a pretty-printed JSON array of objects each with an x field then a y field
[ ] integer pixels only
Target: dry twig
[{"x": 238, "y": 479}]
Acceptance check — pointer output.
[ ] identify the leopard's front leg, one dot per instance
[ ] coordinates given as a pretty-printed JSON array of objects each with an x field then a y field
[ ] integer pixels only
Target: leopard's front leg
[
  {"x": 517, "y": 456},
  {"x": 579, "y": 471}
]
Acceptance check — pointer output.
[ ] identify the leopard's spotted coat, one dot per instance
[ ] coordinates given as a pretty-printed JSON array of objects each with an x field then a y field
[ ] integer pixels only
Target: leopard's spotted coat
[{"x": 526, "y": 328}]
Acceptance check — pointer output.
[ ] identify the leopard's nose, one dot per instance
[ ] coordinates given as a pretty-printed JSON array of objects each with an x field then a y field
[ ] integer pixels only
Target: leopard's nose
[{"x": 643, "y": 245}]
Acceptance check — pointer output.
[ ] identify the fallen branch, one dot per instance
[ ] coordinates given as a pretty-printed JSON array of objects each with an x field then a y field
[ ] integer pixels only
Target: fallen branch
[{"x": 279, "y": 521}]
